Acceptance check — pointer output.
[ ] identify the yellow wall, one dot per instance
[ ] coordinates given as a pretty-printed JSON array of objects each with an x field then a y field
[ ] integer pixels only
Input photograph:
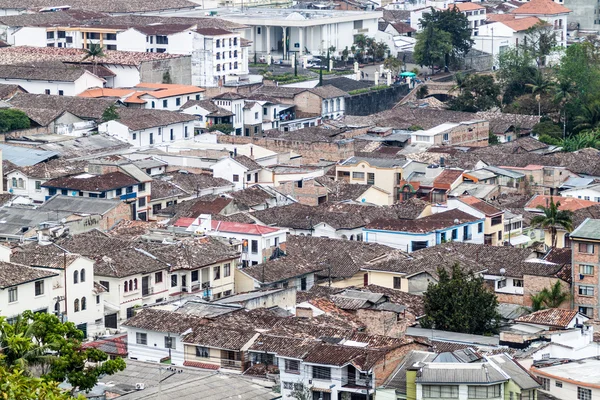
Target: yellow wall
[
  {"x": 190, "y": 355},
  {"x": 385, "y": 178},
  {"x": 560, "y": 238},
  {"x": 243, "y": 283},
  {"x": 378, "y": 197},
  {"x": 489, "y": 229}
]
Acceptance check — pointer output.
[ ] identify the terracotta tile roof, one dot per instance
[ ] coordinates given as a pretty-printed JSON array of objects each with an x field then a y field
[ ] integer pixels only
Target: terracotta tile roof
[
  {"x": 555, "y": 317},
  {"x": 41, "y": 72},
  {"x": 566, "y": 203},
  {"x": 327, "y": 354},
  {"x": 51, "y": 169},
  {"x": 107, "y": 6},
  {"x": 220, "y": 337},
  {"x": 113, "y": 345},
  {"x": 138, "y": 119},
  {"x": 480, "y": 205},
  {"x": 162, "y": 320},
  {"x": 252, "y": 196},
  {"x": 130, "y": 96},
  {"x": 236, "y": 227},
  {"x": 81, "y": 107},
  {"x": 12, "y": 274},
  {"x": 499, "y": 17},
  {"x": 521, "y": 24},
  {"x": 162, "y": 90},
  {"x": 541, "y": 7},
  {"x": 559, "y": 256},
  {"x": 44, "y": 257},
  {"x": 165, "y": 189},
  {"x": 210, "y": 204},
  {"x": 93, "y": 183},
  {"x": 413, "y": 303},
  {"x": 281, "y": 269},
  {"x": 201, "y": 365},
  {"x": 446, "y": 178},
  {"x": 191, "y": 183},
  {"x": 422, "y": 225},
  {"x": 247, "y": 162},
  {"x": 229, "y": 96},
  {"x": 7, "y": 91},
  {"x": 213, "y": 31},
  {"x": 328, "y": 92},
  {"x": 467, "y": 6}
]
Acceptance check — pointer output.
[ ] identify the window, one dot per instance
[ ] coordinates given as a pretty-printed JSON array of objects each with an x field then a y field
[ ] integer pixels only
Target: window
[
  {"x": 75, "y": 276},
  {"x": 484, "y": 392},
  {"x": 358, "y": 175},
  {"x": 589, "y": 311},
  {"x": 586, "y": 269},
  {"x": 130, "y": 312},
  {"x": 169, "y": 342},
  {"x": 558, "y": 384},
  {"x": 217, "y": 272},
  {"x": 586, "y": 248},
  {"x": 218, "y": 42},
  {"x": 518, "y": 282},
  {"x": 61, "y": 93},
  {"x": 502, "y": 284},
  {"x": 496, "y": 220},
  {"x": 134, "y": 135},
  {"x": 141, "y": 338},
  {"x": 545, "y": 383},
  {"x": 586, "y": 290},
  {"x": 443, "y": 237},
  {"x": 584, "y": 394},
  {"x": 202, "y": 352},
  {"x": 106, "y": 285},
  {"x": 185, "y": 131},
  {"x": 292, "y": 366},
  {"x": 76, "y": 305},
  {"x": 83, "y": 304},
  {"x": 248, "y": 177},
  {"x": 98, "y": 299},
  {"x": 226, "y": 270},
  {"x": 158, "y": 277},
  {"x": 129, "y": 189},
  {"x": 21, "y": 183},
  {"x": 142, "y": 201},
  {"x": 254, "y": 246},
  {"x": 49, "y": 35},
  {"x": 82, "y": 275},
  {"x": 321, "y": 373},
  {"x": 12, "y": 295},
  {"x": 454, "y": 234},
  {"x": 288, "y": 385},
  {"x": 441, "y": 391},
  {"x": 195, "y": 276},
  {"x": 47, "y": 91},
  {"x": 397, "y": 282},
  {"x": 480, "y": 227},
  {"x": 135, "y": 286},
  {"x": 173, "y": 280},
  {"x": 14, "y": 182},
  {"x": 236, "y": 178},
  {"x": 39, "y": 288}
]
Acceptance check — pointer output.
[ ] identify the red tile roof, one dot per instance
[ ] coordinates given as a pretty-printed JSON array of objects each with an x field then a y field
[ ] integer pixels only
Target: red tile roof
[
  {"x": 480, "y": 205},
  {"x": 521, "y": 24},
  {"x": 542, "y": 7},
  {"x": 200, "y": 365},
  {"x": 566, "y": 203},
  {"x": 558, "y": 317},
  {"x": 467, "y": 6},
  {"x": 237, "y": 227},
  {"x": 447, "y": 178},
  {"x": 184, "y": 222}
]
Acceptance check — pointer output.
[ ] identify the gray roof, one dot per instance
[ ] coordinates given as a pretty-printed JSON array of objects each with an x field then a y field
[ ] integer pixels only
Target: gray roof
[
  {"x": 453, "y": 336},
  {"x": 482, "y": 174},
  {"x": 16, "y": 221},
  {"x": 77, "y": 204},
  {"x": 576, "y": 182},
  {"x": 589, "y": 229},
  {"x": 481, "y": 191},
  {"x": 517, "y": 373},
  {"x": 23, "y": 156},
  {"x": 397, "y": 379},
  {"x": 505, "y": 172},
  {"x": 483, "y": 373},
  {"x": 377, "y": 162},
  {"x": 200, "y": 308}
]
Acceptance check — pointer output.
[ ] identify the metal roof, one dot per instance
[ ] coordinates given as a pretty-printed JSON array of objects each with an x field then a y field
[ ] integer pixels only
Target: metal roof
[
  {"x": 24, "y": 156},
  {"x": 377, "y": 162},
  {"x": 576, "y": 182},
  {"x": 79, "y": 205},
  {"x": 477, "y": 373},
  {"x": 589, "y": 229},
  {"x": 505, "y": 172},
  {"x": 517, "y": 373}
]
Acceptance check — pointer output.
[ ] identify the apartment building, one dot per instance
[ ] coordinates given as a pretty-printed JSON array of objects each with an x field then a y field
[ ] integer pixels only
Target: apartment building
[
  {"x": 585, "y": 240},
  {"x": 493, "y": 227}
]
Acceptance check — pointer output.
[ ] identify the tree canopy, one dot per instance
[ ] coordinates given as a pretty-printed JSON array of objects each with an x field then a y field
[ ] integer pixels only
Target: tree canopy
[
  {"x": 477, "y": 93},
  {"x": 456, "y": 24},
  {"x": 12, "y": 119},
  {"x": 432, "y": 46},
  {"x": 38, "y": 343},
  {"x": 552, "y": 218},
  {"x": 552, "y": 297},
  {"x": 460, "y": 303}
]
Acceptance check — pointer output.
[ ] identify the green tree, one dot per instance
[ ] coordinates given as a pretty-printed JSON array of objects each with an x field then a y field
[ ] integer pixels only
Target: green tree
[
  {"x": 225, "y": 128},
  {"x": 479, "y": 93},
  {"x": 589, "y": 117},
  {"x": 539, "y": 86},
  {"x": 393, "y": 64},
  {"x": 16, "y": 385},
  {"x": 552, "y": 297},
  {"x": 553, "y": 218},
  {"x": 94, "y": 51},
  {"x": 456, "y": 24},
  {"x": 460, "y": 303},
  {"x": 563, "y": 94},
  {"x": 166, "y": 78},
  {"x": 56, "y": 348},
  {"x": 361, "y": 42},
  {"x": 110, "y": 114},
  {"x": 515, "y": 70},
  {"x": 12, "y": 119},
  {"x": 493, "y": 139},
  {"x": 345, "y": 55},
  {"x": 432, "y": 46},
  {"x": 539, "y": 42},
  {"x": 581, "y": 141}
]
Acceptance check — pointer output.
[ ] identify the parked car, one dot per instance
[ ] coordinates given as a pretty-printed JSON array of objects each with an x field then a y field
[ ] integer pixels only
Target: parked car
[{"x": 314, "y": 63}]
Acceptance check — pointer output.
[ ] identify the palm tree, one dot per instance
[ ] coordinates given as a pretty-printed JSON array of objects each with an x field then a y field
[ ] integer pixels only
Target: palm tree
[
  {"x": 461, "y": 81},
  {"x": 539, "y": 85},
  {"x": 563, "y": 93},
  {"x": 589, "y": 117},
  {"x": 19, "y": 348},
  {"x": 551, "y": 297},
  {"x": 94, "y": 51},
  {"x": 361, "y": 42},
  {"x": 552, "y": 218}
]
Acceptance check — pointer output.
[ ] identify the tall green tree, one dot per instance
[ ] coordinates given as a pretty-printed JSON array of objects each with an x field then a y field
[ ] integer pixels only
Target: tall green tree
[
  {"x": 110, "y": 114},
  {"x": 539, "y": 42},
  {"x": 16, "y": 385},
  {"x": 564, "y": 92},
  {"x": 460, "y": 303},
  {"x": 40, "y": 340},
  {"x": 553, "y": 218},
  {"x": 456, "y": 24},
  {"x": 589, "y": 117},
  {"x": 12, "y": 119},
  {"x": 478, "y": 93},
  {"x": 94, "y": 51},
  {"x": 540, "y": 86},
  {"x": 432, "y": 46},
  {"x": 515, "y": 70}
]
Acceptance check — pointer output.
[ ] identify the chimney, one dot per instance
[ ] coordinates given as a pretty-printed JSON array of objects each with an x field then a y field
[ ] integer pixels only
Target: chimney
[
  {"x": 251, "y": 153},
  {"x": 235, "y": 151},
  {"x": 433, "y": 170}
]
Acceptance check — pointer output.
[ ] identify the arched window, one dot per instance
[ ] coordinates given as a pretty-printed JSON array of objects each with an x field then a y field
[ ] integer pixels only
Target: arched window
[
  {"x": 82, "y": 275},
  {"x": 14, "y": 182},
  {"x": 83, "y": 304},
  {"x": 75, "y": 276},
  {"x": 337, "y": 103},
  {"x": 326, "y": 106},
  {"x": 125, "y": 287},
  {"x": 21, "y": 184},
  {"x": 344, "y": 237},
  {"x": 130, "y": 285},
  {"x": 57, "y": 307},
  {"x": 135, "y": 283},
  {"x": 351, "y": 237},
  {"x": 76, "y": 305}
]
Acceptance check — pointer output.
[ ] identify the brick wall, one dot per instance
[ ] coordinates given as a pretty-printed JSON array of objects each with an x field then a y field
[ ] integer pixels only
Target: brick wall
[
  {"x": 509, "y": 298},
  {"x": 308, "y": 194},
  {"x": 388, "y": 364},
  {"x": 476, "y": 134},
  {"x": 534, "y": 284},
  {"x": 580, "y": 258},
  {"x": 384, "y": 323}
]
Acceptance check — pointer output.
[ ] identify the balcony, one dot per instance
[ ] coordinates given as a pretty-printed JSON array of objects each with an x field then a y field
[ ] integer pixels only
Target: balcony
[
  {"x": 128, "y": 196},
  {"x": 147, "y": 292}
]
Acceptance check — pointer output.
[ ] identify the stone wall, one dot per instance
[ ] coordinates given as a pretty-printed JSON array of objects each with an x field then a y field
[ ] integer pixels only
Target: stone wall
[
  {"x": 308, "y": 194},
  {"x": 384, "y": 323},
  {"x": 375, "y": 101},
  {"x": 180, "y": 70}
]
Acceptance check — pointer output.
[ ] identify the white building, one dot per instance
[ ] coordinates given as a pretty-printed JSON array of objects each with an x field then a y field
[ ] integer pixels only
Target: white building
[
  {"x": 258, "y": 241},
  {"x": 570, "y": 380},
  {"x": 591, "y": 192},
  {"x": 475, "y": 13},
  {"x": 241, "y": 170},
  {"x": 143, "y": 128},
  {"x": 45, "y": 78}
]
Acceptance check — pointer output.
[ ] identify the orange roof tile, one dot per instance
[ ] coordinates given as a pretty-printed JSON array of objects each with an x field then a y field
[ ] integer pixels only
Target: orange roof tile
[
  {"x": 566, "y": 203},
  {"x": 521, "y": 24},
  {"x": 132, "y": 95},
  {"x": 499, "y": 17},
  {"x": 167, "y": 90},
  {"x": 467, "y": 6},
  {"x": 557, "y": 317},
  {"x": 542, "y": 7}
]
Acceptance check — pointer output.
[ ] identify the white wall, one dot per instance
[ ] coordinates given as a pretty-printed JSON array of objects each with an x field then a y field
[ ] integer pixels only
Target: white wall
[
  {"x": 28, "y": 36},
  {"x": 26, "y": 299},
  {"x": 29, "y": 190},
  {"x": 131, "y": 40},
  {"x": 583, "y": 193},
  {"x": 226, "y": 168},
  {"x": 85, "y": 82},
  {"x": 142, "y": 138},
  {"x": 264, "y": 242},
  {"x": 155, "y": 348}
]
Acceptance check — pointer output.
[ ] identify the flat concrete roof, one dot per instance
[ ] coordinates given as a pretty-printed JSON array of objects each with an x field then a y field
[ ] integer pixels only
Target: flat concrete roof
[{"x": 584, "y": 371}]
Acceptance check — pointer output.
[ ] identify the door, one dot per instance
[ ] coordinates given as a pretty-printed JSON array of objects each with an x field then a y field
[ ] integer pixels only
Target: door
[
  {"x": 351, "y": 378},
  {"x": 183, "y": 282},
  {"x": 303, "y": 283},
  {"x": 145, "y": 285},
  {"x": 366, "y": 279},
  {"x": 110, "y": 321},
  {"x": 256, "y": 177}
]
